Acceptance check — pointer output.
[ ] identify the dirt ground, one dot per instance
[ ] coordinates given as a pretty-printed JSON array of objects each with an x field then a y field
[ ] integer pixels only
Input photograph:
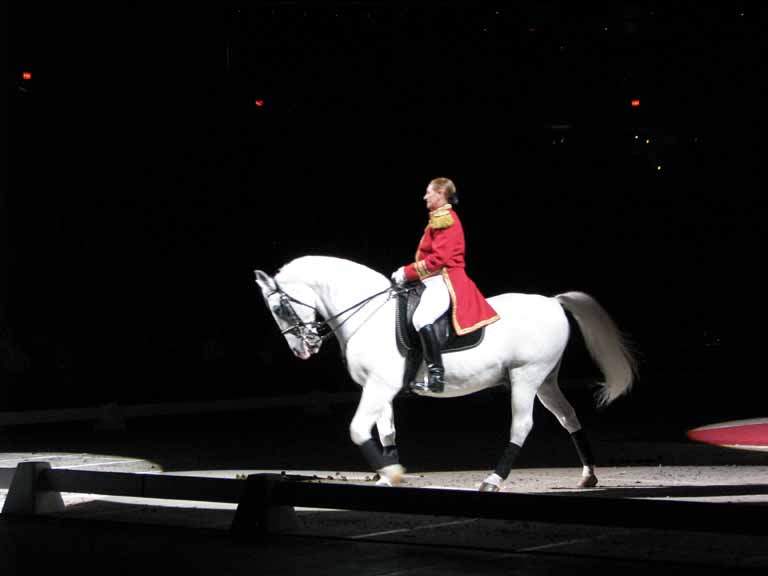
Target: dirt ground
[{"x": 93, "y": 530}]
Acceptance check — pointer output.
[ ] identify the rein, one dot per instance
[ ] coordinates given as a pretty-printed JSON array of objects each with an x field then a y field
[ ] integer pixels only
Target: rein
[{"x": 316, "y": 332}]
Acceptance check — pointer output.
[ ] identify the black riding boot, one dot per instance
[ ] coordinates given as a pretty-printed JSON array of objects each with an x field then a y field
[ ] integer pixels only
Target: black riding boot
[{"x": 433, "y": 360}]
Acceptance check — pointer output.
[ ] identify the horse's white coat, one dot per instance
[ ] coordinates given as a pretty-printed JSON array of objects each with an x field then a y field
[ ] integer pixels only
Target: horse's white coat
[{"x": 523, "y": 348}]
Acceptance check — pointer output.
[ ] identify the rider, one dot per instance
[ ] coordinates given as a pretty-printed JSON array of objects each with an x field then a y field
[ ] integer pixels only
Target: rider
[{"x": 439, "y": 266}]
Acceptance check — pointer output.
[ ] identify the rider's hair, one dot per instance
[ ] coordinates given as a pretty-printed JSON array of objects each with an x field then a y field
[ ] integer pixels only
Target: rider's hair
[{"x": 447, "y": 187}]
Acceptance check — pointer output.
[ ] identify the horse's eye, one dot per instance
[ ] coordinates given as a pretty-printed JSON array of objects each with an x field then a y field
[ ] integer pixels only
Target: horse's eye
[{"x": 282, "y": 309}]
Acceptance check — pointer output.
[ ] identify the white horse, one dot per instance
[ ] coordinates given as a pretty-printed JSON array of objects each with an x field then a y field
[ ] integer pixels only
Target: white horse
[{"x": 523, "y": 350}]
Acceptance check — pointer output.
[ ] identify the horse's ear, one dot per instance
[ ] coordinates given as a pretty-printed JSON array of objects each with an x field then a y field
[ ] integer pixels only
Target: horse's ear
[{"x": 264, "y": 281}]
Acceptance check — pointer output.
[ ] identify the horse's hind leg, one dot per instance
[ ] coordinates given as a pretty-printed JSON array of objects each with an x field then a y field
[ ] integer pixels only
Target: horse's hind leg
[
  {"x": 524, "y": 382},
  {"x": 553, "y": 400}
]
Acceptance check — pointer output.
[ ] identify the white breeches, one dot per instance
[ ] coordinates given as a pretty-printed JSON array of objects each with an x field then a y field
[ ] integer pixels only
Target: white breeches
[{"x": 435, "y": 300}]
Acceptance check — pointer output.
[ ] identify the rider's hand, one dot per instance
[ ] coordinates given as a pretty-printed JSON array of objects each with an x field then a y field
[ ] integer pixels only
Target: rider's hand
[{"x": 398, "y": 276}]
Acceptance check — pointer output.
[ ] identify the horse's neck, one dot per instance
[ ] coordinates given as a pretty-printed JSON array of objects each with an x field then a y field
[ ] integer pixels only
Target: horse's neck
[
  {"x": 368, "y": 316},
  {"x": 339, "y": 285},
  {"x": 344, "y": 290}
]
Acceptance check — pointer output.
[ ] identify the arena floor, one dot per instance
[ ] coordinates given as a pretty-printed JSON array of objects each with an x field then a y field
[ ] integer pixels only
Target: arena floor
[{"x": 125, "y": 535}]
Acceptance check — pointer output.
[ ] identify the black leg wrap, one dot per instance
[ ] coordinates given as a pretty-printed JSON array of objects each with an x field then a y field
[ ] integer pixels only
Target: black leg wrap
[
  {"x": 507, "y": 460},
  {"x": 583, "y": 448},
  {"x": 372, "y": 454},
  {"x": 390, "y": 455}
]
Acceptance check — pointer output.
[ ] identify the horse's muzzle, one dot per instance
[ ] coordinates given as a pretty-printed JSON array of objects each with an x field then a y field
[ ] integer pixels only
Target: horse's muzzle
[{"x": 303, "y": 354}]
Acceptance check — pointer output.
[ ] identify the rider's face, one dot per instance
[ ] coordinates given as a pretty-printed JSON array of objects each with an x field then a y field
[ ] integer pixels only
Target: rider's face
[{"x": 434, "y": 198}]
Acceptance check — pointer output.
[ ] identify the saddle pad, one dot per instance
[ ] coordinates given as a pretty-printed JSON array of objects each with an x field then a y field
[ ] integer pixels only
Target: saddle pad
[{"x": 408, "y": 339}]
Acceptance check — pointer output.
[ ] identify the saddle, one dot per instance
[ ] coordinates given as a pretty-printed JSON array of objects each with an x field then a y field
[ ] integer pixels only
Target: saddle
[{"x": 408, "y": 342}]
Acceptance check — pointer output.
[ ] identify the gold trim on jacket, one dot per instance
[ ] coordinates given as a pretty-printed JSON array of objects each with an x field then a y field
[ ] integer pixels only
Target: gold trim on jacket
[
  {"x": 459, "y": 330},
  {"x": 441, "y": 217},
  {"x": 421, "y": 269}
]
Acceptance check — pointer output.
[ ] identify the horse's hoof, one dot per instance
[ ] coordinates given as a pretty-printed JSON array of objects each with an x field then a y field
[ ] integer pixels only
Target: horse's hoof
[
  {"x": 588, "y": 481},
  {"x": 488, "y": 487},
  {"x": 383, "y": 481},
  {"x": 393, "y": 473}
]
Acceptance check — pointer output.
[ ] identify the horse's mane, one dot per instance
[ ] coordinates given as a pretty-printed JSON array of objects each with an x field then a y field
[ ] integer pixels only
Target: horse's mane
[{"x": 328, "y": 269}]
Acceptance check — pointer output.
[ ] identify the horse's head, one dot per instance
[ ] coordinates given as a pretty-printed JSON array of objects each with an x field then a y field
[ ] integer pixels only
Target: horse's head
[{"x": 294, "y": 308}]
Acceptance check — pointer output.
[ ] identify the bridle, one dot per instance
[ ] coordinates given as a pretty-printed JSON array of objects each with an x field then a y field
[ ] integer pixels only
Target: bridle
[{"x": 314, "y": 333}]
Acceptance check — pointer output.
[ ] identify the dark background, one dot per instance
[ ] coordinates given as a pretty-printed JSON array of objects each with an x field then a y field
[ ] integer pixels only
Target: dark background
[{"x": 145, "y": 184}]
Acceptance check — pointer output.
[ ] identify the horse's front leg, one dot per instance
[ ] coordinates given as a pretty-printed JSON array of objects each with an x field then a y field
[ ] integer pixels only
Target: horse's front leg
[
  {"x": 375, "y": 407},
  {"x": 385, "y": 426}
]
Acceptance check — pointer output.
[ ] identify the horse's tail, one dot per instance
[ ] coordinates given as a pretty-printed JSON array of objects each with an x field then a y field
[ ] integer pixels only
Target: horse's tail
[{"x": 605, "y": 343}]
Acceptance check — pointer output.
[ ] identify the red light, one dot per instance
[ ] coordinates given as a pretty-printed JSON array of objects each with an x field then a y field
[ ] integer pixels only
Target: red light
[
  {"x": 26, "y": 75},
  {"x": 635, "y": 103},
  {"x": 259, "y": 103}
]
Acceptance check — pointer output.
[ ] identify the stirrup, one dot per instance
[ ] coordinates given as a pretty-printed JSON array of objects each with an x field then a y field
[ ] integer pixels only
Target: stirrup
[{"x": 427, "y": 385}]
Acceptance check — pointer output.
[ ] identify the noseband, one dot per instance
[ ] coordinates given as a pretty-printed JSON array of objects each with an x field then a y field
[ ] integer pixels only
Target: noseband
[{"x": 313, "y": 334}]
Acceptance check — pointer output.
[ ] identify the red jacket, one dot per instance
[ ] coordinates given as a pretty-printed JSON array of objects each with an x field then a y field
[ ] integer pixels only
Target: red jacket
[{"x": 441, "y": 251}]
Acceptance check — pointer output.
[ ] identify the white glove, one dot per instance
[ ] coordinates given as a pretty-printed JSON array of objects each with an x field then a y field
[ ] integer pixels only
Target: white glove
[{"x": 398, "y": 276}]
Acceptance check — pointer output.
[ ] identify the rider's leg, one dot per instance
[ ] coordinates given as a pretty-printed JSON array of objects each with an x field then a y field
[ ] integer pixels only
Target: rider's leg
[
  {"x": 433, "y": 360},
  {"x": 435, "y": 301}
]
